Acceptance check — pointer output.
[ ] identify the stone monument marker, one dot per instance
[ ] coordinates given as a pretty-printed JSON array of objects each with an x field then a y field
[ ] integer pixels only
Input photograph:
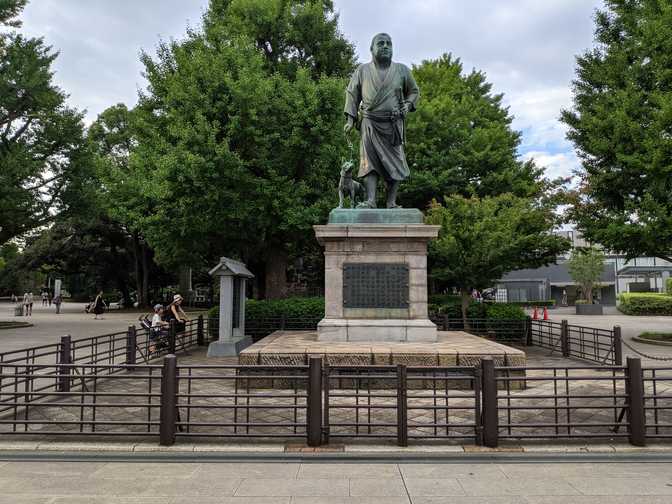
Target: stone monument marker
[{"x": 232, "y": 276}]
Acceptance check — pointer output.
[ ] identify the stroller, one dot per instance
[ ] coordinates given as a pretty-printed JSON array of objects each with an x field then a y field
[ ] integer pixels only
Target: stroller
[{"x": 158, "y": 337}]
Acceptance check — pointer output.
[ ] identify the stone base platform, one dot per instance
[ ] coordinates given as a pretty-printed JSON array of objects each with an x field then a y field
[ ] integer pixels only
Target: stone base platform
[{"x": 453, "y": 348}]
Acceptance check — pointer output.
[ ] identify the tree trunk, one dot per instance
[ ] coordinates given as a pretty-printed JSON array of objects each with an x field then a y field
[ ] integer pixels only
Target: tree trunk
[
  {"x": 588, "y": 290},
  {"x": 143, "y": 298},
  {"x": 276, "y": 274},
  {"x": 137, "y": 268},
  {"x": 121, "y": 284},
  {"x": 466, "y": 300}
]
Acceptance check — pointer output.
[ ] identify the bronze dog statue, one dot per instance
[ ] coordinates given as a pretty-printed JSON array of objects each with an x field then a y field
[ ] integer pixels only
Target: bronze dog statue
[{"x": 347, "y": 186}]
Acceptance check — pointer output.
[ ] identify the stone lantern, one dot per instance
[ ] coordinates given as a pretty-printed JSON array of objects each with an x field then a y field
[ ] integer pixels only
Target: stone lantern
[{"x": 232, "y": 277}]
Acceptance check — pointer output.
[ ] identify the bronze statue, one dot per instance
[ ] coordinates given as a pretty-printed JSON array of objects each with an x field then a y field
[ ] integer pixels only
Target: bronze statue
[{"x": 378, "y": 97}]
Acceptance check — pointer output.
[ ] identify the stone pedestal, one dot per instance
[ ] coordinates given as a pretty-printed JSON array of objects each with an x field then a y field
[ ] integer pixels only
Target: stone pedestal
[{"x": 376, "y": 276}]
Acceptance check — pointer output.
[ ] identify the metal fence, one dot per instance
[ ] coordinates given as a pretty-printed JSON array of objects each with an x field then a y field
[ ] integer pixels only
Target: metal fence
[
  {"x": 602, "y": 346},
  {"x": 319, "y": 403},
  {"x": 47, "y": 369}
]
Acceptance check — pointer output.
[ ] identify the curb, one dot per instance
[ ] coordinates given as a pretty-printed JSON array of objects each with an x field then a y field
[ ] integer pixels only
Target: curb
[
  {"x": 18, "y": 448},
  {"x": 652, "y": 342}
]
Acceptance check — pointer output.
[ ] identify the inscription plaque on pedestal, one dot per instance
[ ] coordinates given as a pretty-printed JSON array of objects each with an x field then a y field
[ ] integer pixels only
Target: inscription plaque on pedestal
[{"x": 375, "y": 285}]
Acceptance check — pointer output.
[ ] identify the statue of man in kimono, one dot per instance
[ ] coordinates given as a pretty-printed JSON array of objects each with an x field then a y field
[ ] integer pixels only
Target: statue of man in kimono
[{"x": 380, "y": 94}]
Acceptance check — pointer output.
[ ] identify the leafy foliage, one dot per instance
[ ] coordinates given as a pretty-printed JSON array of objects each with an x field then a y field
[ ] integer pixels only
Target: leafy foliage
[
  {"x": 460, "y": 139},
  {"x": 276, "y": 309},
  {"x": 585, "y": 267},
  {"x": 42, "y": 148},
  {"x": 239, "y": 134},
  {"x": 482, "y": 239},
  {"x": 645, "y": 303},
  {"x": 621, "y": 125}
]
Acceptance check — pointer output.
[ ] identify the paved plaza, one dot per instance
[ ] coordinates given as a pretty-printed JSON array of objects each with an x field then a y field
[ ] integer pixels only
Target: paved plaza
[{"x": 287, "y": 482}]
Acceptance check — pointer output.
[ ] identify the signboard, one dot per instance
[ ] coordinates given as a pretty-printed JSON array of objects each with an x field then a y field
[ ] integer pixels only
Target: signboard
[{"x": 375, "y": 285}]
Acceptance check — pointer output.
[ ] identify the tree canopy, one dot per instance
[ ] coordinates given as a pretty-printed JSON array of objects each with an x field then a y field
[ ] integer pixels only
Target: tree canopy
[
  {"x": 481, "y": 239},
  {"x": 586, "y": 267},
  {"x": 621, "y": 125},
  {"x": 461, "y": 140},
  {"x": 41, "y": 139},
  {"x": 239, "y": 134}
]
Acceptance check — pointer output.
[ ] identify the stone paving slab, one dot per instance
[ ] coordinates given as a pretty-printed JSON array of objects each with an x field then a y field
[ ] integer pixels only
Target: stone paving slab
[
  {"x": 454, "y": 348},
  {"x": 270, "y": 483}
]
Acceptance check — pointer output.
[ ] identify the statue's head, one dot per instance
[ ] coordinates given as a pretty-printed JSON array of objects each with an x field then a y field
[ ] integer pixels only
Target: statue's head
[{"x": 381, "y": 47}]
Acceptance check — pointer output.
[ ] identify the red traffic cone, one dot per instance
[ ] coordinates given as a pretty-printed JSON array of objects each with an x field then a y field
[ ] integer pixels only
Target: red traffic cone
[
  {"x": 545, "y": 313},
  {"x": 535, "y": 315}
]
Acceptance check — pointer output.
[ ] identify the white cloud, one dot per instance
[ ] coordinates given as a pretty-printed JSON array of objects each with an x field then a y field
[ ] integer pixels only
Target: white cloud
[
  {"x": 527, "y": 48},
  {"x": 562, "y": 164}
]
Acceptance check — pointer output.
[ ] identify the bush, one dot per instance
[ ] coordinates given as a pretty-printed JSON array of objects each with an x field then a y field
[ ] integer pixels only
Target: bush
[
  {"x": 547, "y": 302},
  {"x": 479, "y": 310},
  {"x": 296, "y": 307},
  {"x": 452, "y": 307},
  {"x": 645, "y": 303},
  {"x": 505, "y": 311},
  {"x": 581, "y": 301},
  {"x": 668, "y": 286}
]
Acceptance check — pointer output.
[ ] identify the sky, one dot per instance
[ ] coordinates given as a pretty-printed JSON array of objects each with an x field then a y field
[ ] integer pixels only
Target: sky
[{"x": 526, "y": 48}]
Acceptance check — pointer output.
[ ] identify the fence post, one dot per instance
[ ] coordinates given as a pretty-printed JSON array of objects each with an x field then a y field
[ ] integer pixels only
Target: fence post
[
  {"x": 445, "y": 322},
  {"x": 200, "y": 334},
  {"x": 489, "y": 415},
  {"x": 283, "y": 321},
  {"x": 618, "y": 348},
  {"x": 131, "y": 343},
  {"x": 636, "y": 413},
  {"x": 402, "y": 405},
  {"x": 172, "y": 332},
  {"x": 564, "y": 338},
  {"x": 64, "y": 357},
  {"x": 314, "y": 406},
  {"x": 168, "y": 411},
  {"x": 528, "y": 331}
]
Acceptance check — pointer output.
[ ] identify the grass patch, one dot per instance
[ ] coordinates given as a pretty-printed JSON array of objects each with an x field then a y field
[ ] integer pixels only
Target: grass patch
[
  {"x": 14, "y": 325},
  {"x": 657, "y": 336}
]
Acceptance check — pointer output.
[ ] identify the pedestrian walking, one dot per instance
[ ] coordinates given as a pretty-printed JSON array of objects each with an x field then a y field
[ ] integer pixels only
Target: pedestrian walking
[
  {"x": 44, "y": 298},
  {"x": 564, "y": 297},
  {"x": 99, "y": 305},
  {"x": 29, "y": 299},
  {"x": 57, "y": 302}
]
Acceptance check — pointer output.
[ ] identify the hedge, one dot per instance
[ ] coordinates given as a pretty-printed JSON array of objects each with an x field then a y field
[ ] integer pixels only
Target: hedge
[
  {"x": 475, "y": 310},
  {"x": 668, "y": 286},
  {"x": 645, "y": 303},
  {"x": 547, "y": 302},
  {"x": 313, "y": 308},
  {"x": 296, "y": 307}
]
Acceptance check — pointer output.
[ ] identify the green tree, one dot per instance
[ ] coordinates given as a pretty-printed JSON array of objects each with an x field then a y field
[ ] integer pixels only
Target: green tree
[
  {"x": 461, "y": 140},
  {"x": 122, "y": 195},
  {"x": 621, "y": 125},
  {"x": 41, "y": 138},
  {"x": 240, "y": 135},
  {"x": 481, "y": 239},
  {"x": 585, "y": 268}
]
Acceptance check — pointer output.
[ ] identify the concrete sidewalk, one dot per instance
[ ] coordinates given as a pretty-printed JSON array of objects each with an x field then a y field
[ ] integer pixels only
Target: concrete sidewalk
[{"x": 307, "y": 482}]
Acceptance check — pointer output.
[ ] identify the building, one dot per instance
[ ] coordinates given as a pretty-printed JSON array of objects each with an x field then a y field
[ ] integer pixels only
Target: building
[{"x": 642, "y": 274}]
